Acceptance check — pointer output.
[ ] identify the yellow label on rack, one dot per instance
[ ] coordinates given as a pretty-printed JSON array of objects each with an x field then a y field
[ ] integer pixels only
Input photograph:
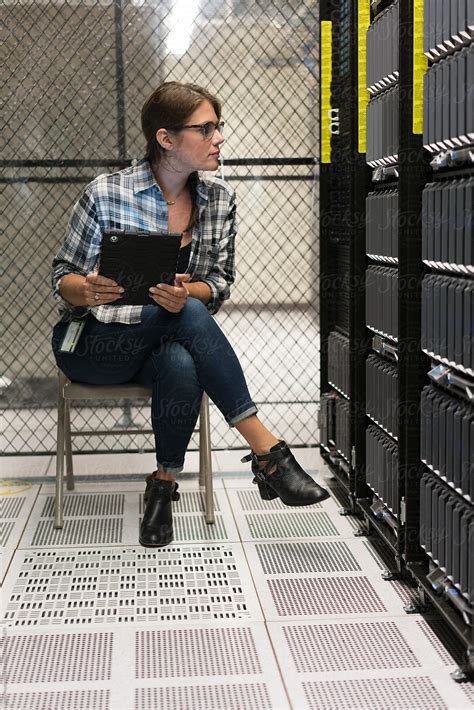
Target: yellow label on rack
[
  {"x": 363, "y": 23},
  {"x": 326, "y": 79},
  {"x": 420, "y": 64}
]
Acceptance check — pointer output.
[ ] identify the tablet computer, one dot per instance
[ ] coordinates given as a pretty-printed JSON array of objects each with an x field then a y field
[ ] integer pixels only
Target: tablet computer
[{"x": 137, "y": 260}]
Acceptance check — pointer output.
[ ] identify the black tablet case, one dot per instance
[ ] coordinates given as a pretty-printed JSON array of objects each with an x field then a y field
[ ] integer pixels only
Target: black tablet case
[{"x": 137, "y": 260}]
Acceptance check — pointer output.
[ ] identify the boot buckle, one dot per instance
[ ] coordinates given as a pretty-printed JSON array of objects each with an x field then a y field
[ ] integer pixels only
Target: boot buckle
[{"x": 259, "y": 477}]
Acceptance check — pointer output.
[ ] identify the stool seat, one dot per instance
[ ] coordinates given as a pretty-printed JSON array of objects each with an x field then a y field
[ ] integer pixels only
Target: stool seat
[
  {"x": 78, "y": 390},
  {"x": 69, "y": 391}
]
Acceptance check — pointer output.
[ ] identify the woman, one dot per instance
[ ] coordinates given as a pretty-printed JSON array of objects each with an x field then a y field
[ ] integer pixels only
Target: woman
[{"x": 172, "y": 345}]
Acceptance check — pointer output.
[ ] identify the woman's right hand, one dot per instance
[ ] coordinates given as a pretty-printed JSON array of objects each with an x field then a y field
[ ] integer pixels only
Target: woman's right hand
[
  {"x": 90, "y": 290},
  {"x": 99, "y": 290}
]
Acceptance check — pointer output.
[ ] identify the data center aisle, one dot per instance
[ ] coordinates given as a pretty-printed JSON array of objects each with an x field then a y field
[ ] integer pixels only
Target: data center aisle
[{"x": 270, "y": 608}]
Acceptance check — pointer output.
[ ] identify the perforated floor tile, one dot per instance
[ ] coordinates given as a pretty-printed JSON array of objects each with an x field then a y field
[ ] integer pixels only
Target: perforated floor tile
[
  {"x": 97, "y": 625},
  {"x": 285, "y": 525},
  {"x": 259, "y": 520},
  {"x": 59, "y": 700},
  {"x": 468, "y": 692},
  {"x": 249, "y": 500},
  {"x": 447, "y": 654},
  {"x": 417, "y": 693},
  {"x": 319, "y": 578},
  {"x": 231, "y": 666},
  {"x": 301, "y": 557},
  {"x": 113, "y": 518},
  {"x": 116, "y": 584},
  {"x": 204, "y": 667},
  {"x": 231, "y": 696},
  {"x": 331, "y": 596},
  {"x": 16, "y": 501},
  {"x": 57, "y": 657},
  {"x": 322, "y": 658}
]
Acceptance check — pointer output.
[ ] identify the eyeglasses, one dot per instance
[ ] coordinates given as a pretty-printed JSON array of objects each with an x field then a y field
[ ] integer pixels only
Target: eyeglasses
[{"x": 207, "y": 129}]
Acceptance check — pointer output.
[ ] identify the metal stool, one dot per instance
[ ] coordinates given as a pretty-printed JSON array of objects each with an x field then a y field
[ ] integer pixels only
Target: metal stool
[{"x": 68, "y": 391}]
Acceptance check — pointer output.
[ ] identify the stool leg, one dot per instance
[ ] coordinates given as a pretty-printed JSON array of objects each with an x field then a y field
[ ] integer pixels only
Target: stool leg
[
  {"x": 59, "y": 499},
  {"x": 68, "y": 447},
  {"x": 205, "y": 466}
]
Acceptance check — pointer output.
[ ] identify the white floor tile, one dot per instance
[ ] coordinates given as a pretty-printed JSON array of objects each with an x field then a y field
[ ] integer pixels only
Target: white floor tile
[
  {"x": 243, "y": 481},
  {"x": 166, "y": 666},
  {"x": 272, "y": 608},
  {"x": 117, "y": 463},
  {"x": 338, "y": 592},
  {"x": 121, "y": 485},
  {"x": 16, "y": 502},
  {"x": 95, "y": 587},
  {"x": 361, "y": 657},
  {"x": 229, "y": 461},
  {"x": 99, "y": 517},
  {"x": 24, "y": 466},
  {"x": 103, "y": 464},
  {"x": 259, "y": 520}
]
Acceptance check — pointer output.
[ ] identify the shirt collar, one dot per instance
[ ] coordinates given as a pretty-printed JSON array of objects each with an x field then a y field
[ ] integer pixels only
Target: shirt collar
[{"x": 143, "y": 179}]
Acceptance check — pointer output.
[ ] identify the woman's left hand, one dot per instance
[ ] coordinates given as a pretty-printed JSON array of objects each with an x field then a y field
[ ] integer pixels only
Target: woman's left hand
[{"x": 173, "y": 298}]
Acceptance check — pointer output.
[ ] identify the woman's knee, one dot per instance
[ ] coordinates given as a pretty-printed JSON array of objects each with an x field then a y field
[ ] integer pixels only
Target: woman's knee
[
  {"x": 195, "y": 310},
  {"x": 174, "y": 360},
  {"x": 170, "y": 362},
  {"x": 177, "y": 355}
]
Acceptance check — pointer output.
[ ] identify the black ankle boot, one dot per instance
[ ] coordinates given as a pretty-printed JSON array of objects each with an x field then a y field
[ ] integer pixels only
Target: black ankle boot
[
  {"x": 156, "y": 529},
  {"x": 288, "y": 482},
  {"x": 149, "y": 483}
]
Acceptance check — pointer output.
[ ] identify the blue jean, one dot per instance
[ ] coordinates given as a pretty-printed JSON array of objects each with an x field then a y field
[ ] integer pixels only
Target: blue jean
[{"x": 178, "y": 355}]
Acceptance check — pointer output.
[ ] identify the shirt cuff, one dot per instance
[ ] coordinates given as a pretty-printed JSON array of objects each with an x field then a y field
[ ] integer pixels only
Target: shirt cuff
[
  {"x": 65, "y": 306},
  {"x": 217, "y": 297}
]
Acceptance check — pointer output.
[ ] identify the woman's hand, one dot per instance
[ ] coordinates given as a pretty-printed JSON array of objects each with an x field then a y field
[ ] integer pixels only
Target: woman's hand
[
  {"x": 99, "y": 290},
  {"x": 90, "y": 290},
  {"x": 172, "y": 298}
]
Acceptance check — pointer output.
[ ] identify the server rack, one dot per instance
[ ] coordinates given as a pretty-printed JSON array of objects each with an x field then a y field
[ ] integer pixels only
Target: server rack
[
  {"x": 446, "y": 509},
  {"x": 395, "y": 367},
  {"x": 402, "y": 329},
  {"x": 344, "y": 178}
]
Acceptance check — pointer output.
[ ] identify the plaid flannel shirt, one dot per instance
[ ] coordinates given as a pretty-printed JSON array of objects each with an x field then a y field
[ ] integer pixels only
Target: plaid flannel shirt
[{"x": 131, "y": 199}]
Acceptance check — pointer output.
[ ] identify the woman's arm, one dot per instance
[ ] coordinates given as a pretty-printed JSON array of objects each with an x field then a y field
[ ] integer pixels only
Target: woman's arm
[
  {"x": 200, "y": 290},
  {"x": 221, "y": 274},
  {"x": 75, "y": 282}
]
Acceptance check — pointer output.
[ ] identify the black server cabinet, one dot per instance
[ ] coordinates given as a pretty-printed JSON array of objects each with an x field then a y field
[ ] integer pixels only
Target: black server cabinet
[
  {"x": 344, "y": 179},
  {"x": 395, "y": 366},
  {"x": 446, "y": 511},
  {"x": 397, "y": 198}
]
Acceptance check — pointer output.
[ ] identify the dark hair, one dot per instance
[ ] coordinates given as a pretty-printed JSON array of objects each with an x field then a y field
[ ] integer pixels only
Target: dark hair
[{"x": 170, "y": 106}]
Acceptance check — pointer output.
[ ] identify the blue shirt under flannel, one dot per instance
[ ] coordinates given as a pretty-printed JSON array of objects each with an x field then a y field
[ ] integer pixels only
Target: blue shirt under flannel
[{"x": 132, "y": 200}]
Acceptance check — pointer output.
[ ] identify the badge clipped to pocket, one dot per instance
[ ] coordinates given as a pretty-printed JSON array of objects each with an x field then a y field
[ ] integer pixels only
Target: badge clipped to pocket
[{"x": 72, "y": 335}]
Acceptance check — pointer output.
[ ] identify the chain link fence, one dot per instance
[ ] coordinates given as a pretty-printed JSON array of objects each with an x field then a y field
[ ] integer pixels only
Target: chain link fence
[{"x": 77, "y": 73}]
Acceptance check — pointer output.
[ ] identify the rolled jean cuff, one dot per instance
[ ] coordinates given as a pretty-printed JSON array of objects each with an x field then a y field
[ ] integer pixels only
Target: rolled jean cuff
[
  {"x": 247, "y": 412},
  {"x": 164, "y": 468}
]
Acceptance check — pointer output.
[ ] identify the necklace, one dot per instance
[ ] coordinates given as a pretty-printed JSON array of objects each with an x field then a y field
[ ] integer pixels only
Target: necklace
[{"x": 173, "y": 202}]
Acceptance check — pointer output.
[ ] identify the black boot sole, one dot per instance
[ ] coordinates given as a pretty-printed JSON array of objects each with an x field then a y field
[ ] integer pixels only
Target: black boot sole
[{"x": 156, "y": 544}]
